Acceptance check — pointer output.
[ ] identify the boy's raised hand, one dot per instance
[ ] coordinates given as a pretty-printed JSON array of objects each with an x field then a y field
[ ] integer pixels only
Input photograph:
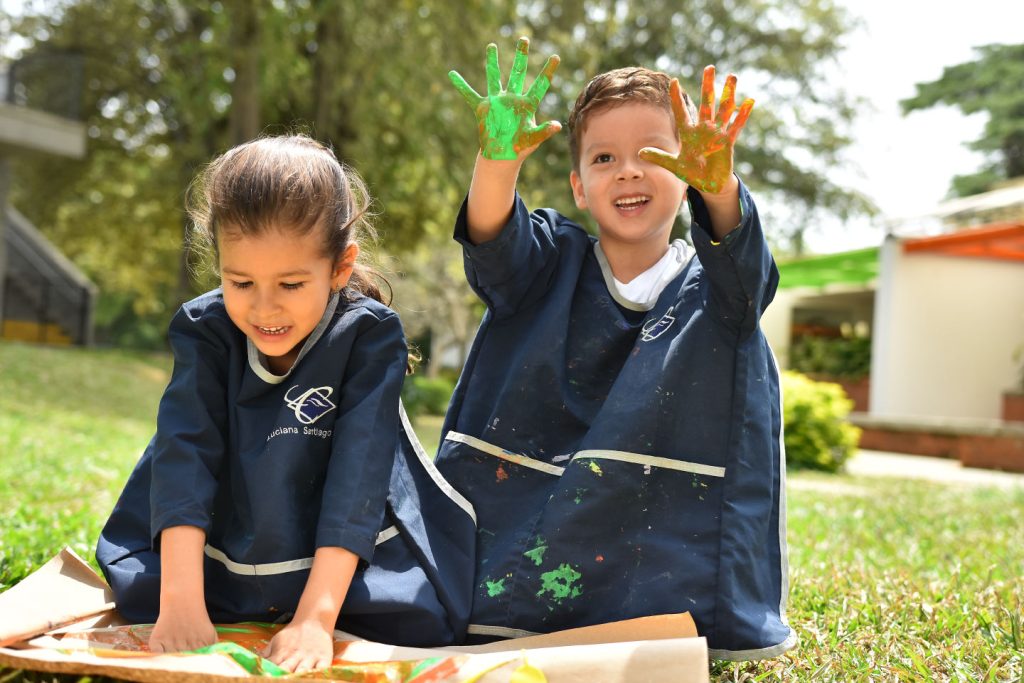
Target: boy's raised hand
[
  {"x": 705, "y": 148},
  {"x": 507, "y": 118}
]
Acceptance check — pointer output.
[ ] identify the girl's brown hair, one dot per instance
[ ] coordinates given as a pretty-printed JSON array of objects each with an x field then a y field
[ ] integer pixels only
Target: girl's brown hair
[{"x": 286, "y": 182}]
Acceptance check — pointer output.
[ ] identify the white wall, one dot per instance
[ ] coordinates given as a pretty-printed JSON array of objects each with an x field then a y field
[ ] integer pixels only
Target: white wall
[
  {"x": 944, "y": 334},
  {"x": 776, "y": 322}
]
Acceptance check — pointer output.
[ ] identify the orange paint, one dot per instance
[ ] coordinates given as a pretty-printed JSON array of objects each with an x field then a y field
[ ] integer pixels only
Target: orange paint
[
  {"x": 599, "y": 558},
  {"x": 501, "y": 475}
]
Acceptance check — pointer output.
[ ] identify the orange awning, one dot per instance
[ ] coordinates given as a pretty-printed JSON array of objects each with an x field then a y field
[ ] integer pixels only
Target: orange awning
[{"x": 1002, "y": 241}]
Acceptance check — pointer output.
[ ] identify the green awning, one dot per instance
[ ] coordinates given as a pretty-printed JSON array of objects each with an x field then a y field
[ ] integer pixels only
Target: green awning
[{"x": 858, "y": 267}]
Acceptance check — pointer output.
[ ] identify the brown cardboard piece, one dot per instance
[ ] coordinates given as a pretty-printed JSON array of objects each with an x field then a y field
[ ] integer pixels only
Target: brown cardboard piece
[{"x": 66, "y": 597}]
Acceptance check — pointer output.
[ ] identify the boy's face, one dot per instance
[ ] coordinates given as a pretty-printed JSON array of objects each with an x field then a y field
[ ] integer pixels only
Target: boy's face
[{"x": 633, "y": 201}]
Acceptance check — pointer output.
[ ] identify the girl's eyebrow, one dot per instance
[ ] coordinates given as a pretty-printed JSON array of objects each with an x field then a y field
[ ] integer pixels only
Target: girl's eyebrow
[{"x": 290, "y": 273}]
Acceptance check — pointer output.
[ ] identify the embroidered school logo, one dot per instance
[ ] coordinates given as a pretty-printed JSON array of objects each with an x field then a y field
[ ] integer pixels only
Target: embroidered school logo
[
  {"x": 653, "y": 329},
  {"x": 310, "y": 405}
]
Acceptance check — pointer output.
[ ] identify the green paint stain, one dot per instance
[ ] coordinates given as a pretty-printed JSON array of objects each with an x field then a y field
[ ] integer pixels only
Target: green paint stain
[
  {"x": 579, "y": 496},
  {"x": 596, "y": 469},
  {"x": 560, "y": 583},
  {"x": 248, "y": 660},
  {"x": 537, "y": 554},
  {"x": 495, "y": 588},
  {"x": 231, "y": 629}
]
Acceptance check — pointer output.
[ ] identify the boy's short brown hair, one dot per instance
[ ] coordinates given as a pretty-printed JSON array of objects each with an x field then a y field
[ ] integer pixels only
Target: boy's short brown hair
[{"x": 628, "y": 85}]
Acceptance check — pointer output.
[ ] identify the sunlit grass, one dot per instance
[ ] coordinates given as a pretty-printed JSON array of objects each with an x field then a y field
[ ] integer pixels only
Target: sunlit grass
[{"x": 890, "y": 580}]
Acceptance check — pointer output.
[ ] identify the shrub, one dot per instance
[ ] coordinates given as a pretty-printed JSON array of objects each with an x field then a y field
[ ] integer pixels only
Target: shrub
[
  {"x": 426, "y": 395},
  {"x": 834, "y": 356},
  {"x": 817, "y": 435}
]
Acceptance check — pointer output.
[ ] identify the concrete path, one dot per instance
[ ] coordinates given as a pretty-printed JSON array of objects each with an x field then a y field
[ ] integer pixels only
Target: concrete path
[{"x": 941, "y": 470}]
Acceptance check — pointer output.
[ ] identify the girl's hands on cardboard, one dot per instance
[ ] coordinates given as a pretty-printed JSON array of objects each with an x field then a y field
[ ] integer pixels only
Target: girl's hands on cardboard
[
  {"x": 705, "y": 147},
  {"x": 302, "y": 646},
  {"x": 507, "y": 118},
  {"x": 182, "y": 627}
]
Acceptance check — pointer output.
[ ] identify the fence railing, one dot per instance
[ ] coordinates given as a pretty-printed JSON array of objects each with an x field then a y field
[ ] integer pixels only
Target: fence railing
[{"x": 48, "y": 81}]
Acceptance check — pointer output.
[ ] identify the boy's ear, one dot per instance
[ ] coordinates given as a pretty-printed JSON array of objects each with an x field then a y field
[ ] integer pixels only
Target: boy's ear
[
  {"x": 577, "y": 190},
  {"x": 343, "y": 267}
]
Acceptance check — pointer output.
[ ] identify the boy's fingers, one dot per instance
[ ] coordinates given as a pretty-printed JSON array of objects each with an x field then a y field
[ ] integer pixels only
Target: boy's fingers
[
  {"x": 659, "y": 157},
  {"x": 727, "y": 105},
  {"x": 741, "y": 119},
  {"x": 471, "y": 96},
  {"x": 535, "y": 136},
  {"x": 679, "y": 108},
  {"x": 517, "y": 78},
  {"x": 707, "y": 94},
  {"x": 493, "y": 73},
  {"x": 543, "y": 81}
]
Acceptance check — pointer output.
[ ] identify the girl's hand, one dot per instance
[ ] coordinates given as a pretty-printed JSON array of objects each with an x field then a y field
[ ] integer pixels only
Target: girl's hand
[
  {"x": 705, "y": 148},
  {"x": 182, "y": 628},
  {"x": 302, "y": 646},
  {"x": 506, "y": 118}
]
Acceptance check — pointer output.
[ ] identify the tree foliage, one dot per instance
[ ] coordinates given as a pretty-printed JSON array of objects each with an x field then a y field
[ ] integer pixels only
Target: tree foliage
[
  {"x": 169, "y": 84},
  {"x": 993, "y": 83}
]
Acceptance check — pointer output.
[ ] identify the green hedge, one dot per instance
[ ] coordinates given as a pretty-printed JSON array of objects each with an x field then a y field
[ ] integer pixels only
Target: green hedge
[
  {"x": 817, "y": 435},
  {"x": 425, "y": 395},
  {"x": 835, "y": 356}
]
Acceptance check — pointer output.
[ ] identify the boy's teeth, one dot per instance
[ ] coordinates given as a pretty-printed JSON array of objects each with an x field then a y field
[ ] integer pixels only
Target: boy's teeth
[
  {"x": 272, "y": 330},
  {"x": 631, "y": 201}
]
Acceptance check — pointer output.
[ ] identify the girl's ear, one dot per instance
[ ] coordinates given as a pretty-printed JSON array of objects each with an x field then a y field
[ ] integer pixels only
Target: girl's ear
[{"x": 343, "y": 267}]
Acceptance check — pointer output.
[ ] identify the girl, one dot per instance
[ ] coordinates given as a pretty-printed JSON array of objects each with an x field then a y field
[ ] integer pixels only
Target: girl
[{"x": 265, "y": 484}]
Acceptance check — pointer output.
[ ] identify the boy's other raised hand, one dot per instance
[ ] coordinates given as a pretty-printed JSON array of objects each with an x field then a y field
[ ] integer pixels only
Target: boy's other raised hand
[
  {"x": 705, "y": 147},
  {"x": 507, "y": 118}
]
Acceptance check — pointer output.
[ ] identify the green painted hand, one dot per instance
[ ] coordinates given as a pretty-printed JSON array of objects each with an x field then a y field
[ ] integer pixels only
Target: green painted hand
[
  {"x": 705, "y": 148},
  {"x": 506, "y": 118}
]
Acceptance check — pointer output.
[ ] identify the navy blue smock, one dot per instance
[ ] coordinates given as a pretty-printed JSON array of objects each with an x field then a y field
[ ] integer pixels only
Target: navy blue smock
[
  {"x": 274, "y": 467},
  {"x": 622, "y": 463}
]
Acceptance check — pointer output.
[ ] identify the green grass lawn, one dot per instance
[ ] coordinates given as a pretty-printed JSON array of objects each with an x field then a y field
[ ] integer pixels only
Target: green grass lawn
[{"x": 890, "y": 579}]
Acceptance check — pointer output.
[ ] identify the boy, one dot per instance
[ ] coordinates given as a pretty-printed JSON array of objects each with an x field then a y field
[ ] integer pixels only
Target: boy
[{"x": 617, "y": 424}]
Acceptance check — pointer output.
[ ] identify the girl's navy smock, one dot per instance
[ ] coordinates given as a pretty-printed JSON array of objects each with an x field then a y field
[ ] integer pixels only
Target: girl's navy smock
[
  {"x": 622, "y": 463},
  {"x": 274, "y": 467}
]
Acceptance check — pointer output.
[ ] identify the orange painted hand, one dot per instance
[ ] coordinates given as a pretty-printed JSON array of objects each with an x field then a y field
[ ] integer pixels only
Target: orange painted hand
[
  {"x": 705, "y": 148},
  {"x": 507, "y": 118}
]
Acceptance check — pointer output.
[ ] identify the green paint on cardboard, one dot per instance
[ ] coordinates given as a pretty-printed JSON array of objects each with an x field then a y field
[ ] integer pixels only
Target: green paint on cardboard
[{"x": 596, "y": 469}]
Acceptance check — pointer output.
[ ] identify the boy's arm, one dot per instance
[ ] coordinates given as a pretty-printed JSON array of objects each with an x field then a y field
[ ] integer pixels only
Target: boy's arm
[
  {"x": 508, "y": 134},
  {"x": 705, "y": 159},
  {"x": 307, "y": 642},
  {"x": 183, "y": 622}
]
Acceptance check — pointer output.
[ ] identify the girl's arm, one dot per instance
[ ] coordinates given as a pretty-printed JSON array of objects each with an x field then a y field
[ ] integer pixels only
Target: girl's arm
[
  {"x": 308, "y": 641},
  {"x": 183, "y": 623}
]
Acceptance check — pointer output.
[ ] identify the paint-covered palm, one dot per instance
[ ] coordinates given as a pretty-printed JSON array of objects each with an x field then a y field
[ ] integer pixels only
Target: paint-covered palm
[
  {"x": 705, "y": 148},
  {"x": 507, "y": 118}
]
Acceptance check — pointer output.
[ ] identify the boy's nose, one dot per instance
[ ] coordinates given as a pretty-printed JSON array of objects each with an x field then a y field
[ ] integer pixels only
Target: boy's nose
[
  {"x": 266, "y": 302},
  {"x": 630, "y": 169}
]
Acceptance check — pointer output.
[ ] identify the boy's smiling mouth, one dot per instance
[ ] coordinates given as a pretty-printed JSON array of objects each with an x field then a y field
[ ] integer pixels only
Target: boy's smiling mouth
[
  {"x": 632, "y": 202},
  {"x": 272, "y": 331}
]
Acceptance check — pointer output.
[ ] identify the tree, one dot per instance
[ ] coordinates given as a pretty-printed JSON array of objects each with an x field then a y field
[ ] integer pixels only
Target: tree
[
  {"x": 992, "y": 83},
  {"x": 170, "y": 84}
]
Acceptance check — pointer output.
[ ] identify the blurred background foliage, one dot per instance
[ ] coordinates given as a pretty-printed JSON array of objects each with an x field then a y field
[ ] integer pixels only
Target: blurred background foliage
[{"x": 170, "y": 84}]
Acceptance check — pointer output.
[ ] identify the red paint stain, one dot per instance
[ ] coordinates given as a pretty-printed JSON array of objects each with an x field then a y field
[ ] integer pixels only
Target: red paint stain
[
  {"x": 501, "y": 475},
  {"x": 599, "y": 558}
]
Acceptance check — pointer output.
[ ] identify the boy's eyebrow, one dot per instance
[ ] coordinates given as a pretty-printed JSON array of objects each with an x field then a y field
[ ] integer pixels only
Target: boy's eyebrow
[{"x": 289, "y": 273}]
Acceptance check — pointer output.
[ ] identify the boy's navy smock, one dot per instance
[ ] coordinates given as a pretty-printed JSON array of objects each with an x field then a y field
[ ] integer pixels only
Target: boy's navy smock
[
  {"x": 274, "y": 467},
  {"x": 622, "y": 463}
]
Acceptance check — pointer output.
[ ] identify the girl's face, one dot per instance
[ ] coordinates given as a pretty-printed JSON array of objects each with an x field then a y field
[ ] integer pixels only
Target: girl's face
[{"x": 276, "y": 288}]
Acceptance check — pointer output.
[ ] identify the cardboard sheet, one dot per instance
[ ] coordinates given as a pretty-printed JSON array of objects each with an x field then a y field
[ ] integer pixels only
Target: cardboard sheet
[{"x": 59, "y": 620}]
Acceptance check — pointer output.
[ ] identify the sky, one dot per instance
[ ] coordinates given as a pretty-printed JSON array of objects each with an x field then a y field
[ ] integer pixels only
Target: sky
[{"x": 905, "y": 164}]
